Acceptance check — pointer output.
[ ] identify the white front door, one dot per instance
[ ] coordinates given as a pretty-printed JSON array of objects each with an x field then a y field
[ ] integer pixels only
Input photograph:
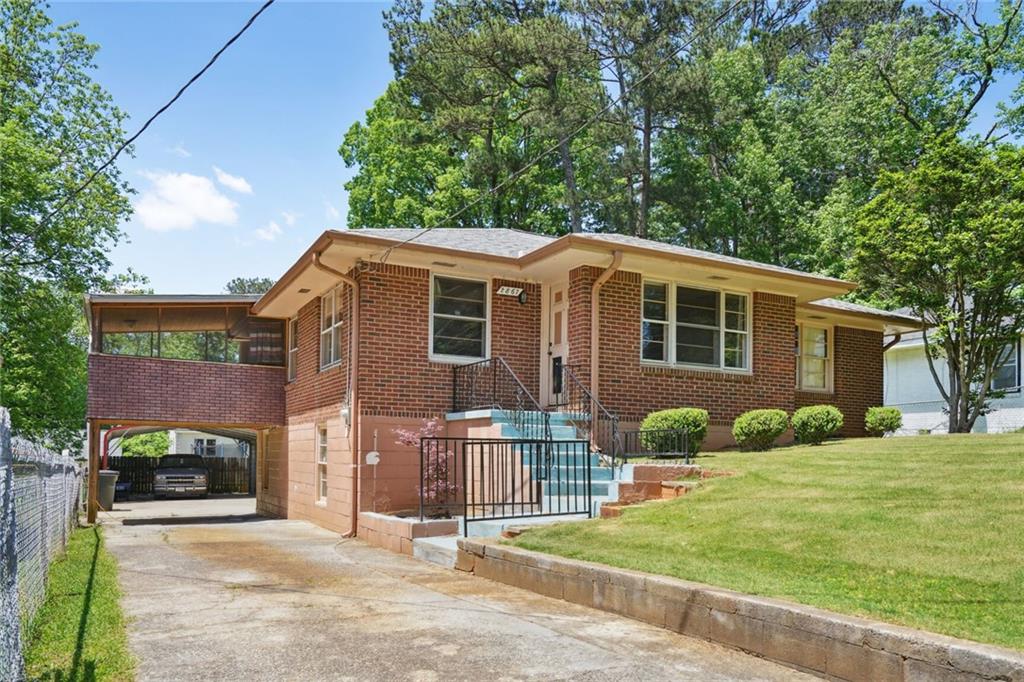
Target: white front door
[{"x": 558, "y": 341}]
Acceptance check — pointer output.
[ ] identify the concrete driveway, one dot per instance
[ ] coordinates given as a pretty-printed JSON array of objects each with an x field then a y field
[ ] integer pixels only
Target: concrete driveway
[{"x": 224, "y": 595}]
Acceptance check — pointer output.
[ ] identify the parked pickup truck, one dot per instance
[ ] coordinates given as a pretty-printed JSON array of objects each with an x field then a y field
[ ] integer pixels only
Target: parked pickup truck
[{"x": 181, "y": 476}]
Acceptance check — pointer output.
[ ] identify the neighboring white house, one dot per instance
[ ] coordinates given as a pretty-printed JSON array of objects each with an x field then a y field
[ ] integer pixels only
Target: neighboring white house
[
  {"x": 199, "y": 443},
  {"x": 910, "y": 387}
]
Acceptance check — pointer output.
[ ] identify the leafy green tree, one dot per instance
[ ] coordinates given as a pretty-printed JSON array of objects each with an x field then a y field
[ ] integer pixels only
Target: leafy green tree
[
  {"x": 56, "y": 127},
  {"x": 249, "y": 285},
  {"x": 146, "y": 444},
  {"x": 945, "y": 240}
]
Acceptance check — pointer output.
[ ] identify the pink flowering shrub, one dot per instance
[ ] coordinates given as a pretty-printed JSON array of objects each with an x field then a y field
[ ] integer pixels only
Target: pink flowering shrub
[{"x": 437, "y": 480}]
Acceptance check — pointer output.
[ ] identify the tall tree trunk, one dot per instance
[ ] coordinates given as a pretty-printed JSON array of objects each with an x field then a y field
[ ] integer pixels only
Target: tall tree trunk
[
  {"x": 645, "y": 176},
  {"x": 575, "y": 219}
]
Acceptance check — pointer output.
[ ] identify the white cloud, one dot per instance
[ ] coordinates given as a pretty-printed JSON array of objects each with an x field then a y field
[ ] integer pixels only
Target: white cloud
[
  {"x": 269, "y": 233},
  {"x": 332, "y": 212},
  {"x": 289, "y": 218},
  {"x": 177, "y": 201},
  {"x": 180, "y": 151},
  {"x": 235, "y": 182}
]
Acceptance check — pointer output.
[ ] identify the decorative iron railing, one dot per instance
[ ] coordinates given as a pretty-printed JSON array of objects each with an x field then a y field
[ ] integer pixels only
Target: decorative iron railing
[
  {"x": 500, "y": 479},
  {"x": 656, "y": 444},
  {"x": 588, "y": 415},
  {"x": 491, "y": 384}
]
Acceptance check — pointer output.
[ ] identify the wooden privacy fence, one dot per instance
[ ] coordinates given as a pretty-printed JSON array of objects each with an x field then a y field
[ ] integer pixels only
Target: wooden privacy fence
[{"x": 227, "y": 474}]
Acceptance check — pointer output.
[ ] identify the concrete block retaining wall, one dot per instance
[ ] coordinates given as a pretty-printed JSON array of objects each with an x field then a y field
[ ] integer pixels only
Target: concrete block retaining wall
[
  {"x": 807, "y": 638},
  {"x": 396, "y": 533}
]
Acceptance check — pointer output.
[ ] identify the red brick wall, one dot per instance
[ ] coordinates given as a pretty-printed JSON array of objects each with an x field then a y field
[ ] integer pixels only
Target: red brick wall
[
  {"x": 126, "y": 387},
  {"x": 857, "y": 378},
  {"x": 631, "y": 391},
  {"x": 313, "y": 388},
  {"x": 396, "y": 376}
]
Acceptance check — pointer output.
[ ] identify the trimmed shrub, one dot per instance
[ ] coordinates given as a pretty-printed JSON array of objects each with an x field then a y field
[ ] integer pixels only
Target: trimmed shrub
[
  {"x": 693, "y": 420},
  {"x": 815, "y": 423},
  {"x": 879, "y": 421},
  {"x": 758, "y": 429}
]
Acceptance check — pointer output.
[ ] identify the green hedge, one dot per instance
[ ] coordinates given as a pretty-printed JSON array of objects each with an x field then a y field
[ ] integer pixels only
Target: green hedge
[
  {"x": 815, "y": 423},
  {"x": 882, "y": 420},
  {"x": 758, "y": 429},
  {"x": 693, "y": 420}
]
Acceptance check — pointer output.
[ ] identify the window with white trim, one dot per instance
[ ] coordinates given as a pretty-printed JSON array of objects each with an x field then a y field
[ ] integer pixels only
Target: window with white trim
[
  {"x": 321, "y": 464},
  {"x": 814, "y": 358},
  {"x": 685, "y": 325},
  {"x": 1007, "y": 373},
  {"x": 330, "y": 328},
  {"x": 293, "y": 347},
  {"x": 458, "y": 318}
]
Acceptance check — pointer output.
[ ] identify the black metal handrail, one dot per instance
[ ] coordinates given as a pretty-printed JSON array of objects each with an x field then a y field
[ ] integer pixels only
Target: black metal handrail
[
  {"x": 589, "y": 415},
  {"x": 502, "y": 478},
  {"x": 656, "y": 444},
  {"x": 491, "y": 384}
]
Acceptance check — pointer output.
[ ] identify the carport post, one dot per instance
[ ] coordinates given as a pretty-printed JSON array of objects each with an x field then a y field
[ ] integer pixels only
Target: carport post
[{"x": 94, "y": 470}]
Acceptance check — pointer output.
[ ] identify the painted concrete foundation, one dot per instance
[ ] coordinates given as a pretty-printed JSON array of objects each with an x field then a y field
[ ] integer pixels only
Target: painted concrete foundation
[{"x": 810, "y": 639}]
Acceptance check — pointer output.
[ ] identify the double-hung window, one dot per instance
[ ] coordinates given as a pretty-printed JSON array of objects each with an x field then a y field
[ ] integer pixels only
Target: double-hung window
[
  {"x": 330, "y": 328},
  {"x": 1007, "y": 374},
  {"x": 691, "y": 326},
  {"x": 321, "y": 464},
  {"x": 293, "y": 347},
  {"x": 458, "y": 318},
  {"x": 814, "y": 358}
]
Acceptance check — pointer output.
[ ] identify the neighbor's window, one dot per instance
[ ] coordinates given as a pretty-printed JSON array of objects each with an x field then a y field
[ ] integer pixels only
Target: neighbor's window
[
  {"x": 321, "y": 464},
  {"x": 293, "y": 347},
  {"x": 691, "y": 326},
  {"x": 330, "y": 328},
  {"x": 1007, "y": 374},
  {"x": 459, "y": 318},
  {"x": 814, "y": 361}
]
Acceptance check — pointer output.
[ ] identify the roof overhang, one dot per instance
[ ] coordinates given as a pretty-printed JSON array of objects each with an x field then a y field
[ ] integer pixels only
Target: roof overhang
[
  {"x": 344, "y": 250},
  {"x": 886, "y": 322}
]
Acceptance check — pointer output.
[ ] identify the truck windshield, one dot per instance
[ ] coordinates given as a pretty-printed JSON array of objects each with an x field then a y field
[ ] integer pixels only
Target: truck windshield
[{"x": 182, "y": 461}]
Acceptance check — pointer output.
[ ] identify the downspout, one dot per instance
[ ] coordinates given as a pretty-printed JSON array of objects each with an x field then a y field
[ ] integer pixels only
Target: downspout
[
  {"x": 595, "y": 320},
  {"x": 895, "y": 339},
  {"x": 353, "y": 384}
]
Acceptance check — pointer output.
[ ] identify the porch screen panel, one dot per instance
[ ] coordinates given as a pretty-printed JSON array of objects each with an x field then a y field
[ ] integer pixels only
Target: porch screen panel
[{"x": 459, "y": 317}]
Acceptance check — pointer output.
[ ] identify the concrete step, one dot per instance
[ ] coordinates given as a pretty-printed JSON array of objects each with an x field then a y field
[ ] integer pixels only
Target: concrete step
[
  {"x": 558, "y": 431},
  {"x": 597, "y": 488},
  {"x": 492, "y": 528},
  {"x": 439, "y": 550}
]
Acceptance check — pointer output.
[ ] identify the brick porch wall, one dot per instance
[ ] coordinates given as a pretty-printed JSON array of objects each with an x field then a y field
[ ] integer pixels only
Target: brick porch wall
[{"x": 183, "y": 391}]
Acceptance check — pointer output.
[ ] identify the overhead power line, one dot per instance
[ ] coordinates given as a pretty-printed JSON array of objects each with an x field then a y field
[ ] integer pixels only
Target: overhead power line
[
  {"x": 106, "y": 164},
  {"x": 590, "y": 121}
]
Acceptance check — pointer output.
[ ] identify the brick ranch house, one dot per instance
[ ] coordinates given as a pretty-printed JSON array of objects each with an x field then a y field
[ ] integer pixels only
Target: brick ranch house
[{"x": 360, "y": 337}]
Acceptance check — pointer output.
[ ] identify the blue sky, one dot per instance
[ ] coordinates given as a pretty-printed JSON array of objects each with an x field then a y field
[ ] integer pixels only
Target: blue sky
[
  {"x": 269, "y": 115},
  {"x": 242, "y": 173}
]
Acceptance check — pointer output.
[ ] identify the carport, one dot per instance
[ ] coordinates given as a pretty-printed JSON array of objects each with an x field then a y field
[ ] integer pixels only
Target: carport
[
  {"x": 192, "y": 362},
  {"x": 234, "y": 473}
]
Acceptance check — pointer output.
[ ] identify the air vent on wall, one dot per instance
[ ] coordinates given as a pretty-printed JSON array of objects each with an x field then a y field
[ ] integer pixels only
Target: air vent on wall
[
  {"x": 442, "y": 264},
  {"x": 718, "y": 277},
  {"x": 303, "y": 291}
]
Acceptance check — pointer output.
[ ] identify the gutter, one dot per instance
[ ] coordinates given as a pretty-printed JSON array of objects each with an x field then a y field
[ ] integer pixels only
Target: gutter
[
  {"x": 595, "y": 321},
  {"x": 353, "y": 384},
  {"x": 895, "y": 339}
]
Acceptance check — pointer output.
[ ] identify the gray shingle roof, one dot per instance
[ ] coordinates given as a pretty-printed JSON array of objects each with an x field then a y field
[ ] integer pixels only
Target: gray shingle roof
[
  {"x": 694, "y": 253},
  {"x": 846, "y": 306},
  {"x": 493, "y": 242}
]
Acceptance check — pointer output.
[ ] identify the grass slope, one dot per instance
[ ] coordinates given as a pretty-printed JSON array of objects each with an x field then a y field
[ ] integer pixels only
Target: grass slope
[
  {"x": 923, "y": 531},
  {"x": 79, "y": 633}
]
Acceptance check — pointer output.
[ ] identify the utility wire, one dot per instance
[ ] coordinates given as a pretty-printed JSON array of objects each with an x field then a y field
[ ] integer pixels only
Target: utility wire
[
  {"x": 95, "y": 174},
  {"x": 553, "y": 148}
]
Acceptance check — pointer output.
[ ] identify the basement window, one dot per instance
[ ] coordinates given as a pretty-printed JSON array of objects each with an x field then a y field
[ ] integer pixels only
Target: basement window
[
  {"x": 321, "y": 464},
  {"x": 458, "y": 320}
]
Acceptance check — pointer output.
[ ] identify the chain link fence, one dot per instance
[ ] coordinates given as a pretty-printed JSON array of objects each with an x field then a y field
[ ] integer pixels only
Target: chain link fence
[{"x": 39, "y": 500}]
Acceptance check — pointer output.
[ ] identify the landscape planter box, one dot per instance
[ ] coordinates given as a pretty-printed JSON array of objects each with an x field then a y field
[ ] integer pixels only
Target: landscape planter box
[{"x": 396, "y": 533}]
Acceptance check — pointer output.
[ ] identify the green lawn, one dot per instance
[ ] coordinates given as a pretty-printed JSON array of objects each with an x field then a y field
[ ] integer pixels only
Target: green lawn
[
  {"x": 79, "y": 633},
  {"x": 924, "y": 531}
]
